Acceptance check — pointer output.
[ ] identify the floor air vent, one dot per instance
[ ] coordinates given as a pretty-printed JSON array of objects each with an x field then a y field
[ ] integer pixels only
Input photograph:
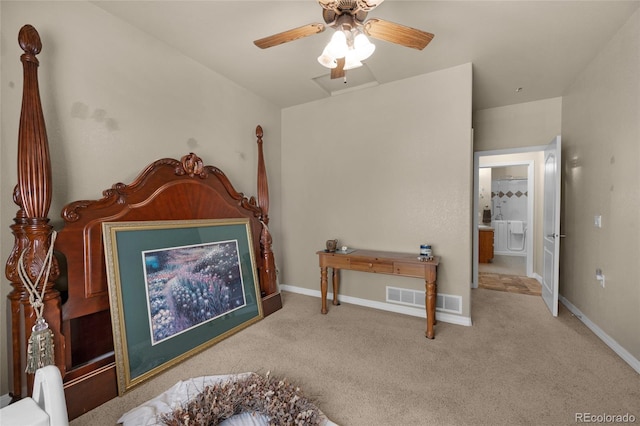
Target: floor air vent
[{"x": 415, "y": 298}]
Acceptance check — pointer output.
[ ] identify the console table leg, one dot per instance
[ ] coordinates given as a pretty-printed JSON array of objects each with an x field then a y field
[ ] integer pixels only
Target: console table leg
[
  {"x": 431, "y": 309},
  {"x": 336, "y": 285},
  {"x": 323, "y": 289}
]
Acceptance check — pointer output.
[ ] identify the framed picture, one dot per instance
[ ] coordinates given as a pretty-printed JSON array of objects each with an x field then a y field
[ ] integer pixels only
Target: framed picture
[{"x": 176, "y": 288}]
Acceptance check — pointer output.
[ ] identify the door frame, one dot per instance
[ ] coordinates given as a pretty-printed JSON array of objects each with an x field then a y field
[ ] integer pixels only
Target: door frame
[{"x": 476, "y": 201}]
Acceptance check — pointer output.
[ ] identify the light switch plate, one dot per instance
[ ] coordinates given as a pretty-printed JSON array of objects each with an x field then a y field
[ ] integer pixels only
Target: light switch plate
[{"x": 597, "y": 221}]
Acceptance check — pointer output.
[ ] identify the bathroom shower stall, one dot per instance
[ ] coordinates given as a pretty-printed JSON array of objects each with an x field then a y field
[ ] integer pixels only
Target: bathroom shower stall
[{"x": 509, "y": 201}]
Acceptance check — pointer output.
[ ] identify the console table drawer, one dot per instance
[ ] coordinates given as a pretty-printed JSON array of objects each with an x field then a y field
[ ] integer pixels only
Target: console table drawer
[
  {"x": 372, "y": 266},
  {"x": 335, "y": 261},
  {"x": 409, "y": 269}
]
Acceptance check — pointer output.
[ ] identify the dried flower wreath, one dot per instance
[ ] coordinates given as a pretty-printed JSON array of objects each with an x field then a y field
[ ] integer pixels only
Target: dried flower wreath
[{"x": 277, "y": 399}]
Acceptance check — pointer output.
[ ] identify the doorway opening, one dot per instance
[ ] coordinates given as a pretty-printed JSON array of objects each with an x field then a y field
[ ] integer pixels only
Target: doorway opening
[{"x": 508, "y": 187}]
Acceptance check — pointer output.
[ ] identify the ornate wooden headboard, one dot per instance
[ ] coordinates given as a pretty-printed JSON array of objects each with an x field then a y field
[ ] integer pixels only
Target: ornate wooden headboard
[{"x": 76, "y": 297}]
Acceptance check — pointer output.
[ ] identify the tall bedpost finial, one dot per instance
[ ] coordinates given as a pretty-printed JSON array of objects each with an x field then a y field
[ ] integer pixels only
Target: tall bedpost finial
[
  {"x": 34, "y": 163},
  {"x": 263, "y": 187},
  {"x": 30, "y": 42},
  {"x": 268, "y": 271},
  {"x": 31, "y": 227}
]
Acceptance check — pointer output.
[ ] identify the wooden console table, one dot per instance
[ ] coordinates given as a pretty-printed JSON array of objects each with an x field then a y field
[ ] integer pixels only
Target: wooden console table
[{"x": 381, "y": 262}]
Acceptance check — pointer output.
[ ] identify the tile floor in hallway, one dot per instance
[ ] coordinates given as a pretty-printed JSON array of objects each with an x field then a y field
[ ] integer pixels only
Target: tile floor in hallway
[
  {"x": 507, "y": 273},
  {"x": 501, "y": 264}
]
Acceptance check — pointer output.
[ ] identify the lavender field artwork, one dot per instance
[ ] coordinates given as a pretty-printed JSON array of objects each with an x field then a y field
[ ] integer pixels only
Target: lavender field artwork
[
  {"x": 188, "y": 286},
  {"x": 177, "y": 287}
]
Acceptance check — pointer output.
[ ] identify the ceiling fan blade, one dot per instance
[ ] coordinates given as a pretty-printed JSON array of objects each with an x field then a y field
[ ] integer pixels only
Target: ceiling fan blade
[
  {"x": 290, "y": 35},
  {"x": 338, "y": 72},
  {"x": 396, "y": 33}
]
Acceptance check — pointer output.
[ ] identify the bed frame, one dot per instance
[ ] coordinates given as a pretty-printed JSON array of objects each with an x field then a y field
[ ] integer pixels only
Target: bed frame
[{"x": 76, "y": 297}]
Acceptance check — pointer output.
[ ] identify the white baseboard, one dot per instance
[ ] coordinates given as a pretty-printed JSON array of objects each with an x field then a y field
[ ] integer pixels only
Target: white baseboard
[
  {"x": 615, "y": 346},
  {"x": 5, "y": 400},
  {"x": 383, "y": 306}
]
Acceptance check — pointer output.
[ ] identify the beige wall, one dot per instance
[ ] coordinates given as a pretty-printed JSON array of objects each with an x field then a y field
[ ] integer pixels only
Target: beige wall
[
  {"x": 521, "y": 125},
  {"x": 601, "y": 176},
  {"x": 485, "y": 176},
  {"x": 384, "y": 168},
  {"x": 508, "y": 172},
  {"x": 114, "y": 101}
]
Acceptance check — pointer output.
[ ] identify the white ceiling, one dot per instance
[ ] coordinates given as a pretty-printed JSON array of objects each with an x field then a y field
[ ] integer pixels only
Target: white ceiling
[{"x": 540, "y": 46}]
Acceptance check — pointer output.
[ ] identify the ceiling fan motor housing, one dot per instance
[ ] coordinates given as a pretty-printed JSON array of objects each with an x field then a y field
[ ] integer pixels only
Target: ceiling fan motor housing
[
  {"x": 350, "y": 6},
  {"x": 345, "y": 14}
]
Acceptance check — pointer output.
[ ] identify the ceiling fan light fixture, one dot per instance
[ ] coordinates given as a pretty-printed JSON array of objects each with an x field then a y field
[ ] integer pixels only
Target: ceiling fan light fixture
[
  {"x": 351, "y": 60},
  {"x": 327, "y": 60},
  {"x": 363, "y": 47},
  {"x": 337, "y": 47}
]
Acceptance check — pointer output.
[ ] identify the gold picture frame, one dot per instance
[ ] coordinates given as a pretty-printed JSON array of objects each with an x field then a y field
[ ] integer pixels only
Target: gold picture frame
[{"x": 176, "y": 288}]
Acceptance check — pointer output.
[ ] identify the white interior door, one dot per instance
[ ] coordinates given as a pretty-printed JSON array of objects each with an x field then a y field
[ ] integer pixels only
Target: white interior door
[{"x": 551, "y": 225}]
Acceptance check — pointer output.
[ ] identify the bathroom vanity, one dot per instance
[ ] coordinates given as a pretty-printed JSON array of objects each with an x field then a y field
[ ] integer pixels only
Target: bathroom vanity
[{"x": 485, "y": 241}]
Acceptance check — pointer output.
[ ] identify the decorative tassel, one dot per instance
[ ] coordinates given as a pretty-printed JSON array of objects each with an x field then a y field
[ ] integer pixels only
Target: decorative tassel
[{"x": 40, "y": 346}]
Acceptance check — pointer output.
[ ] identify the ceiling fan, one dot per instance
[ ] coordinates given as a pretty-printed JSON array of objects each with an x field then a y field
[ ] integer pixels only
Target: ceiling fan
[{"x": 349, "y": 45}]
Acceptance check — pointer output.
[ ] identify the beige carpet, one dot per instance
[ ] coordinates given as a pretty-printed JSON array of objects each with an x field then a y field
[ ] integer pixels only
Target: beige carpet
[{"x": 516, "y": 365}]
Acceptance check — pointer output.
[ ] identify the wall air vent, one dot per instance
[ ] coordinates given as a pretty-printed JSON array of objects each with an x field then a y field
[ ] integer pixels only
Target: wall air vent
[{"x": 416, "y": 298}]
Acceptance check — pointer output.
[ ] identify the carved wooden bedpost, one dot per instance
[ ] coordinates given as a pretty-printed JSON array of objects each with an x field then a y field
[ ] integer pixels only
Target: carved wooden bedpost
[
  {"x": 31, "y": 227},
  {"x": 268, "y": 284}
]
